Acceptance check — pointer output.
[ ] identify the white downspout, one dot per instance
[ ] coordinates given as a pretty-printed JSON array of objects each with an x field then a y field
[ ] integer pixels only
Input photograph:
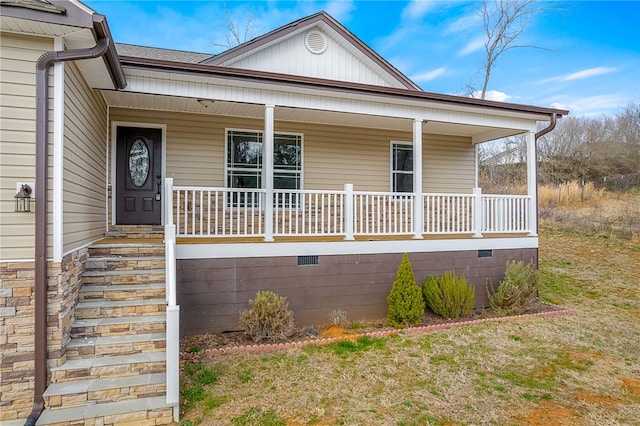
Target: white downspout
[{"x": 58, "y": 154}]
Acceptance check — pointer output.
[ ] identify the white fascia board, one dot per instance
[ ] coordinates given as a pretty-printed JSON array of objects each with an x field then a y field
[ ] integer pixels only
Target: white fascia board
[
  {"x": 265, "y": 249},
  {"x": 199, "y": 87}
]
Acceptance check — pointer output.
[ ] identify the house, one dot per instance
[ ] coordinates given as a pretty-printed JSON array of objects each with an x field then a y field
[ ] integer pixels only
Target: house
[{"x": 169, "y": 186}]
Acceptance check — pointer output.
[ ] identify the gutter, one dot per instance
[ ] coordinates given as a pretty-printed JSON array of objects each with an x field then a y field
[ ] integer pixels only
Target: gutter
[
  {"x": 104, "y": 47},
  {"x": 552, "y": 124}
]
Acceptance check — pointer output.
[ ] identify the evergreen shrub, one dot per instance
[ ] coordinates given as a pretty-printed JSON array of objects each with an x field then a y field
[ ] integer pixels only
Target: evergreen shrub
[
  {"x": 448, "y": 295},
  {"x": 406, "y": 305},
  {"x": 518, "y": 292},
  {"x": 268, "y": 318}
]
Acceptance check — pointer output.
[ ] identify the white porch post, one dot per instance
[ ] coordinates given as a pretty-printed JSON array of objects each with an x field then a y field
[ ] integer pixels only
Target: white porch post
[
  {"x": 477, "y": 212},
  {"x": 418, "y": 222},
  {"x": 532, "y": 183},
  {"x": 173, "y": 310},
  {"x": 348, "y": 211},
  {"x": 267, "y": 170}
]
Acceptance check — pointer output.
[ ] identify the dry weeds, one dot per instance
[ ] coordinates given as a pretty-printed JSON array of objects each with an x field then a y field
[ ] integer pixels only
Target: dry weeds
[{"x": 581, "y": 369}]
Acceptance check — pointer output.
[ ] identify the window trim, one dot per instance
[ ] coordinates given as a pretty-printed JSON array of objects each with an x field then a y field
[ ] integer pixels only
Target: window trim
[
  {"x": 392, "y": 145},
  {"x": 260, "y": 169}
]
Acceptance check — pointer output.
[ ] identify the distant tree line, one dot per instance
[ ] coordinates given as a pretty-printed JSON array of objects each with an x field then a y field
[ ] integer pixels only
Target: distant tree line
[{"x": 604, "y": 151}]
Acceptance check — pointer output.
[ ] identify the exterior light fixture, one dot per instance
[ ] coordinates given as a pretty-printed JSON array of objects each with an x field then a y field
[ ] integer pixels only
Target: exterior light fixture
[
  {"x": 23, "y": 199},
  {"x": 206, "y": 103}
]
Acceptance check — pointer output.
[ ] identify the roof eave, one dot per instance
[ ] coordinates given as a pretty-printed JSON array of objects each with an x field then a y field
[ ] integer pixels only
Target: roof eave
[{"x": 333, "y": 85}]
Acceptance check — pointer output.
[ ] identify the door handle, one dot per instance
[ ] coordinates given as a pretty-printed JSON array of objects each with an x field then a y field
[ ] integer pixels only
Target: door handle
[{"x": 158, "y": 184}]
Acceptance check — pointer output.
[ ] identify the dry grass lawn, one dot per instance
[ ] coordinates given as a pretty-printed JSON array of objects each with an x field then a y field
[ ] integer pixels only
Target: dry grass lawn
[{"x": 580, "y": 369}]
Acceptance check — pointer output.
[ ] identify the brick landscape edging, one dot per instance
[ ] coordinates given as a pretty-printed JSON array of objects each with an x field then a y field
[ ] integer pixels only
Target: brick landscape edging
[{"x": 209, "y": 353}]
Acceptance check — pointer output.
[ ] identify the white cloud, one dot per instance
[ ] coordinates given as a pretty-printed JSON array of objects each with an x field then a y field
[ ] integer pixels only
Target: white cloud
[
  {"x": 429, "y": 75},
  {"x": 591, "y": 72},
  {"x": 463, "y": 24},
  {"x": 579, "y": 75},
  {"x": 417, "y": 9},
  {"x": 492, "y": 95},
  {"x": 472, "y": 46}
]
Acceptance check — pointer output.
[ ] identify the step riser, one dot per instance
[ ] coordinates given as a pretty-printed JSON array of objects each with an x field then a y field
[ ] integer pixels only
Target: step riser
[
  {"x": 117, "y": 329},
  {"x": 162, "y": 416},
  {"x": 126, "y": 251},
  {"x": 106, "y": 395},
  {"x": 139, "y": 278},
  {"x": 117, "y": 312},
  {"x": 115, "y": 294},
  {"x": 97, "y": 351},
  {"x": 122, "y": 264},
  {"x": 100, "y": 372}
]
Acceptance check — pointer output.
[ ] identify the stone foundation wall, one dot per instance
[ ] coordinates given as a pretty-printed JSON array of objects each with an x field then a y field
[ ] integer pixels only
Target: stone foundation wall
[{"x": 17, "y": 329}]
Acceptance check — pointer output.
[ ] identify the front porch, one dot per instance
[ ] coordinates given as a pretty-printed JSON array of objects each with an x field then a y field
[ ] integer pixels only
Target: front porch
[{"x": 214, "y": 213}]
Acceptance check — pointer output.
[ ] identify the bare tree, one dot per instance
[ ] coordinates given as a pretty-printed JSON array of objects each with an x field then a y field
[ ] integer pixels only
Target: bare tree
[
  {"x": 238, "y": 32},
  {"x": 503, "y": 22}
]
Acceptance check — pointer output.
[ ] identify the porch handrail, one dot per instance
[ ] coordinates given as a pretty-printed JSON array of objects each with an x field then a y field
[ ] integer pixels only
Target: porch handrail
[
  {"x": 506, "y": 213},
  {"x": 383, "y": 213},
  {"x": 448, "y": 213},
  {"x": 219, "y": 212},
  {"x": 308, "y": 212},
  {"x": 240, "y": 212}
]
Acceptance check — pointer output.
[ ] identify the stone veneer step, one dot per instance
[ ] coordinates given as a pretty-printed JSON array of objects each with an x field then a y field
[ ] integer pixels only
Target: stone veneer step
[
  {"x": 115, "y": 345},
  {"x": 113, "y": 292},
  {"x": 110, "y": 366},
  {"x": 141, "y": 411},
  {"x": 112, "y": 389},
  {"x": 119, "y": 308}
]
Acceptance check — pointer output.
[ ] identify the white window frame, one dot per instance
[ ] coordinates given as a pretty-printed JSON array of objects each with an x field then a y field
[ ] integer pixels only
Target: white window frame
[
  {"x": 392, "y": 171},
  {"x": 261, "y": 168}
]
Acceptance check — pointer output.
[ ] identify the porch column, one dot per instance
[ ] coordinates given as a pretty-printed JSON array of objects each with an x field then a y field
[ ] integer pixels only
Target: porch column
[
  {"x": 418, "y": 222},
  {"x": 267, "y": 170},
  {"x": 532, "y": 183}
]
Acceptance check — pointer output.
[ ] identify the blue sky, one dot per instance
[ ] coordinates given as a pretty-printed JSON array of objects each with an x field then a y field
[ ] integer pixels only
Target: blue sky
[{"x": 589, "y": 64}]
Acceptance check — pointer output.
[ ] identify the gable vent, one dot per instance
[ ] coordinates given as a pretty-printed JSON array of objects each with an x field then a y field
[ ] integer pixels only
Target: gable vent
[{"x": 316, "y": 42}]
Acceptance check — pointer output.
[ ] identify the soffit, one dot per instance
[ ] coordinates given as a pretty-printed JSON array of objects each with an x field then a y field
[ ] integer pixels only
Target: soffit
[{"x": 298, "y": 115}]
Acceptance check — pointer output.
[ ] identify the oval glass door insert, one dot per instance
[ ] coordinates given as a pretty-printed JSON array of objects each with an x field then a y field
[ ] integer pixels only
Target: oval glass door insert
[{"x": 139, "y": 162}]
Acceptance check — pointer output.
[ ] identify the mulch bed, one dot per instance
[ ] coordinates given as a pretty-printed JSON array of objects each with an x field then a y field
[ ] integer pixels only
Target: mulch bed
[{"x": 211, "y": 344}]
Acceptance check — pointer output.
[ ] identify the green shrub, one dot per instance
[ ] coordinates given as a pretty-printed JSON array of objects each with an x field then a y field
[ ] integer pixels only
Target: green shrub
[
  {"x": 406, "y": 305},
  {"x": 448, "y": 295},
  {"x": 268, "y": 318},
  {"x": 518, "y": 292}
]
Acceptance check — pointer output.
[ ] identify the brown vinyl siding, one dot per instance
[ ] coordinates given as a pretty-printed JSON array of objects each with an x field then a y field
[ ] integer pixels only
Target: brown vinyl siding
[
  {"x": 213, "y": 292},
  {"x": 85, "y": 123},
  {"x": 333, "y": 155},
  {"x": 17, "y": 139}
]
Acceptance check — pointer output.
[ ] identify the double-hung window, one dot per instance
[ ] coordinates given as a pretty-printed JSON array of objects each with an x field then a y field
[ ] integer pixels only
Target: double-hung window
[
  {"x": 245, "y": 165},
  {"x": 401, "y": 167}
]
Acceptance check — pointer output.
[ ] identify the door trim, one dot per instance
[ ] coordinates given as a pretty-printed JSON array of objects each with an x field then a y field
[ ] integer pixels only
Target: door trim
[{"x": 112, "y": 158}]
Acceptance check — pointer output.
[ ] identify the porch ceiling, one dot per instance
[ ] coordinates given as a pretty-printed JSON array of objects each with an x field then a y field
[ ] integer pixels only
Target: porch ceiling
[{"x": 254, "y": 111}]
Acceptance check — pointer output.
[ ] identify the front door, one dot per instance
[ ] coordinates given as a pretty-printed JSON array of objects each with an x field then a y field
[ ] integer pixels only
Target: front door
[{"x": 138, "y": 176}]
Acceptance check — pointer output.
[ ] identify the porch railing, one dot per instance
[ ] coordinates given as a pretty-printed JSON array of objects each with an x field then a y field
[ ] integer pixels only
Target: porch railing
[{"x": 228, "y": 212}]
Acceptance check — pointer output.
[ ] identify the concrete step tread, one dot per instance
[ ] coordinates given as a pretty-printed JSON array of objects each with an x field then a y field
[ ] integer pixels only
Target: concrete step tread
[
  {"x": 62, "y": 415},
  {"x": 119, "y": 303},
  {"x": 120, "y": 258},
  {"x": 74, "y": 364},
  {"x": 120, "y": 287},
  {"x": 133, "y": 242},
  {"x": 99, "y": 273},
  {"x": 89, "y": 385},
  {"x": 93, "y": 322},
  {"x": 114, "y": 340}
]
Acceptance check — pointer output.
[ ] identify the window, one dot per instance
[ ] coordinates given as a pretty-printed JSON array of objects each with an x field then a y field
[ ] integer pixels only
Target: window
[
  {"x": 401, "y": 167},
  {"x": 244, "y": 160}
]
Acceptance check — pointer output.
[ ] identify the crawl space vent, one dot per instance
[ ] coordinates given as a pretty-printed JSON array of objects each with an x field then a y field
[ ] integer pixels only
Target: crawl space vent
[
  {"x": 316, "y": 42},
  {"x": 307, "y": 260}
]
